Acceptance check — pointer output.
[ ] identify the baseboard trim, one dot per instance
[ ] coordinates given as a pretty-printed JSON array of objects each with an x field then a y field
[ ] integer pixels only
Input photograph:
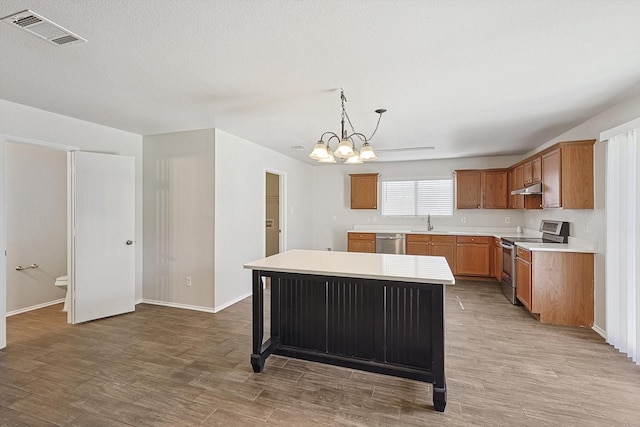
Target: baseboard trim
[
  {"x": 599, "y": 331},
  {"x": 34, "y": 307},
  {"x": 178, "y": 305},
  {"x": 230, "y": 303}
]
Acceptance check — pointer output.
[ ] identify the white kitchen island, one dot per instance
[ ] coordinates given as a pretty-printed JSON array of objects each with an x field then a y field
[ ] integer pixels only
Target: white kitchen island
[{"x": 375, "y": 312}]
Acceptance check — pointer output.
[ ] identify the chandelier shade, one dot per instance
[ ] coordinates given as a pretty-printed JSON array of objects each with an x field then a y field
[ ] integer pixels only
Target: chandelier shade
[
  {"x": 346, "y": 149},
  {"x": 319, "y": 151}
]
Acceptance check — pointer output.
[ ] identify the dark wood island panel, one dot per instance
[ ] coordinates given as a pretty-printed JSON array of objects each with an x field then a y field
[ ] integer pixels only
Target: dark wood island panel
[{"x": 384, "y": 326}]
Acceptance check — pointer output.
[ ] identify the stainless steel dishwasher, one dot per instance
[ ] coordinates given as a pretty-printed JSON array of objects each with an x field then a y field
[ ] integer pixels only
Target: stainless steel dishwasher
[{"x": 390, "y": 243}]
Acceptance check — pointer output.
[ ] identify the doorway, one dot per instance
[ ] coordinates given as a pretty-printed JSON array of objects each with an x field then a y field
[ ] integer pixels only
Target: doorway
[
  {"x": 273, "y": 230},
  {"x": 36, "y": 209},
  {"x": 99, "y": 195}
]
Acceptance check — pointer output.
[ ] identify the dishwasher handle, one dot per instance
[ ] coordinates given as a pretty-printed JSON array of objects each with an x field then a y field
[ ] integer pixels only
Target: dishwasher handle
[{"x": 390, "y": 238}]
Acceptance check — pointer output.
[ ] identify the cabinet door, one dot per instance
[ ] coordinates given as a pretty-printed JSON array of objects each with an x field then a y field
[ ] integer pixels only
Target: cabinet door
[
  {"x": 364, "y": 191},
  {"x": 519, "y": 183},
  {"x": 551, "y": 179},
  {"x": 468, "y": 185},
  {"x": 494, "y": 190},
  {"x": 445, "y": 249},
  {"x": 472, "y": 259},
  {"x": 527, "y": 173},
  {"x": 497, "y": 260},
  {"x": 511, "y": 177},
  {"x": 523, "y": 282},
  {"x": 417, "y": 248},
  {"x": 361, "y": 242},
  {"x": 536, "y": 169},
  {"x": 362, "y": 246}
]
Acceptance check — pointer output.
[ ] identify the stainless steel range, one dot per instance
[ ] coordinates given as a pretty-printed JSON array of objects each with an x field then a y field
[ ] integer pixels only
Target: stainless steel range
[{"x": 552, "y": 232}]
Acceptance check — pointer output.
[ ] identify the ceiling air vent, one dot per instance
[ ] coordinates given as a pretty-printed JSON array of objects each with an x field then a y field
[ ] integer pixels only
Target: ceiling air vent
[{"x": 43, "y": 28}]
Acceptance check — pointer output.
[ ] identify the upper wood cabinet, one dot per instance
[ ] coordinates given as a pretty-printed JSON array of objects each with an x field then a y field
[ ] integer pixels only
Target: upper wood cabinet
[
  {"x": 468, "y": 189},
  {"x": 515, "y": 182},
  {"x": 364, "y": 191},
  {"x": 567, "y": 176},
  {"x": 532, "y": 170},
  {"x": 481, "y": 189},
  {"x": 494, "y": 189}
]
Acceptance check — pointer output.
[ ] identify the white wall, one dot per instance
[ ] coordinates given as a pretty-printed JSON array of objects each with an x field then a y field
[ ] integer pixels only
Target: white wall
[
  {"x": 179, "y": 219},
  {"x": 26, "y": 122},
  {"x": 36, "y": 224},
  {"x": 240, "y": 210},
  {"x": 591, "y": 224},
  {"x": 331, "y": 189}
]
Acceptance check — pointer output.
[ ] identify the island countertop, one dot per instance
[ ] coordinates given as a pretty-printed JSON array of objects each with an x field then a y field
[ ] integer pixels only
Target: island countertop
[{"x": 403, "y": 268}]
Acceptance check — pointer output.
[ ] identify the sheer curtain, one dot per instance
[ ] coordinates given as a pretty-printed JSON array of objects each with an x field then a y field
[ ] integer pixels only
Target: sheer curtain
[{"x": 623, "y": 243}]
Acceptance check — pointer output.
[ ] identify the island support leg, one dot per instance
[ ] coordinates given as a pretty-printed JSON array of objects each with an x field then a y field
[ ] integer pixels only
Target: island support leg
[
  {"x": 437, "y": 323},
  {"x": 257, "y": 358}
]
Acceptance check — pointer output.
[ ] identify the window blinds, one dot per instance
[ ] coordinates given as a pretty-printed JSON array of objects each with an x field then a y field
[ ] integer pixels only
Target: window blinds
[{"x": 417, "y": 197}]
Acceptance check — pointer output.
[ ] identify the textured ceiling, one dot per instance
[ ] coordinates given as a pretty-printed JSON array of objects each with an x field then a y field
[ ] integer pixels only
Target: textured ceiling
[{"x": 471, "y": 78}]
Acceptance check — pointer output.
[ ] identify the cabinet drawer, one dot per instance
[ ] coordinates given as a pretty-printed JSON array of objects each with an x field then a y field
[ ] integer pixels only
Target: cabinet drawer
[
  {"x": 418, "y": 238},
  {"x": 362, "y": 236},
  {"x": 473, "y": 239},
  {"x": 438, "y": 238},
  {"x": 524, "y": 254}
]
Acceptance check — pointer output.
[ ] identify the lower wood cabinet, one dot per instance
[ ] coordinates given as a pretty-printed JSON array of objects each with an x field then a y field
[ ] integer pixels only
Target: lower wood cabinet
[
  {"x": 556, "y": 286},
  {"x": 496, "y": 259},
  {"x": 523, "y": 277},
  {"x": 434, "y": 245},
  {"x": 361, "y": 242},
  {"x": 472, "y": 256}
]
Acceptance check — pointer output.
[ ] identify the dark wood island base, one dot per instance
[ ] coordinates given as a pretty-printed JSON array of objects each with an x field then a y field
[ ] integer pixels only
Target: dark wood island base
[{"x": 385, "y": 326}]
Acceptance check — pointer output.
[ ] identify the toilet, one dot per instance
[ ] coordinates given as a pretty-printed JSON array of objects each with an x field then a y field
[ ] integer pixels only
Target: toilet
[{"x": 62, "y": 282}]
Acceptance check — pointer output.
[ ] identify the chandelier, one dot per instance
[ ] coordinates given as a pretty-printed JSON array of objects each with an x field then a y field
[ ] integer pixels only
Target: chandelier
[{"x": 346, "y": 148}]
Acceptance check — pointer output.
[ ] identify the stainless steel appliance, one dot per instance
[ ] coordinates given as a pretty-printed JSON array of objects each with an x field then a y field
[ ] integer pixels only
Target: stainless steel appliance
[
  {"x": 552, "y": 232},
  {"x": 390, "y": 243}
]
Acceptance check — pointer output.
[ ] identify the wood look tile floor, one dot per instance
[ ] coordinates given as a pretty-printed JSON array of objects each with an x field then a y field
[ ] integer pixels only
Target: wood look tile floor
[{"x": 163, "y": 366}]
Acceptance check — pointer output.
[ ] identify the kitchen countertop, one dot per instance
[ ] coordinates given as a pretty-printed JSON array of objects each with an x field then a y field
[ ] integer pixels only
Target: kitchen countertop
[
  {"x": 441, "y": 233},
  {"x": 405, "y": 268},
  {"x": 556, "y": 247},
  {"x": 574, "y": 245}
]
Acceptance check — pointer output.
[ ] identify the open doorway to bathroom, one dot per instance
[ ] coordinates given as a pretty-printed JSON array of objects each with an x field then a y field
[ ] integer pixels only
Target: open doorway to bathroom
[{"x": 36, "y": 208}]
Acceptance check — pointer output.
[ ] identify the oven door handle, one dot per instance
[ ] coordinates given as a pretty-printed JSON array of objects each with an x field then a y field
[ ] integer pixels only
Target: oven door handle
[{"x": 506, "y": 246}]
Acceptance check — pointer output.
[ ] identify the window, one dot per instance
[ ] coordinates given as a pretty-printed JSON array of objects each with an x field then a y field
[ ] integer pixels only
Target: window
[{"x": 417, "y": 197}]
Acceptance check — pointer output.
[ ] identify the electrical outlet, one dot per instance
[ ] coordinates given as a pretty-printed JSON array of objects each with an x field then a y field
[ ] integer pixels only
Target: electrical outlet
[
  {"x": 188, "y": 280},
  {"x": 463, "y": 219},
  {"x": 334, "y": 218},
  {"x": 586, "y": 228},
  {"x": 507, "y": 219}
]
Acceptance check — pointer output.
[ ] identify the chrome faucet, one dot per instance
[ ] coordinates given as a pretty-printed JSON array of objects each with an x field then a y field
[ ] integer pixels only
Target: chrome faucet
[{"x": 429, "y": 225}]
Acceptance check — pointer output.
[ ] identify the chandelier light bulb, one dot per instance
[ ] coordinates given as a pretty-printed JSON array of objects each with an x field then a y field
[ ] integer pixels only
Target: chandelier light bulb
[
  {"x": 367, "y": 153},
  {"x": 345, "y": 149},
  {"x": 354, "y": 159},
  {"x": 319, "y": 151},
  {"x": 330, "y": 158}
]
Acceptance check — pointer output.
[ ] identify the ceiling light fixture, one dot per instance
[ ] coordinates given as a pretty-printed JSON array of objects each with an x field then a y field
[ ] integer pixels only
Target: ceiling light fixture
[{"x": 346, "y": 149}]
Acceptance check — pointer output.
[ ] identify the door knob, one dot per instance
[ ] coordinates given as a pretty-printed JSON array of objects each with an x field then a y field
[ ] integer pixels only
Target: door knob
[{"x": 129, "y": 242}]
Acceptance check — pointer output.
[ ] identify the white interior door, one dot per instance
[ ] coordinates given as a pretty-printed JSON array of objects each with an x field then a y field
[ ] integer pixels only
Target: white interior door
[{"x": 102, "y": 275}]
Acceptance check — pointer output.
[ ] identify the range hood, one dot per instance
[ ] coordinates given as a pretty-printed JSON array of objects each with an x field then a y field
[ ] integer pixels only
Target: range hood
[{"x": 532, "y": 189}]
